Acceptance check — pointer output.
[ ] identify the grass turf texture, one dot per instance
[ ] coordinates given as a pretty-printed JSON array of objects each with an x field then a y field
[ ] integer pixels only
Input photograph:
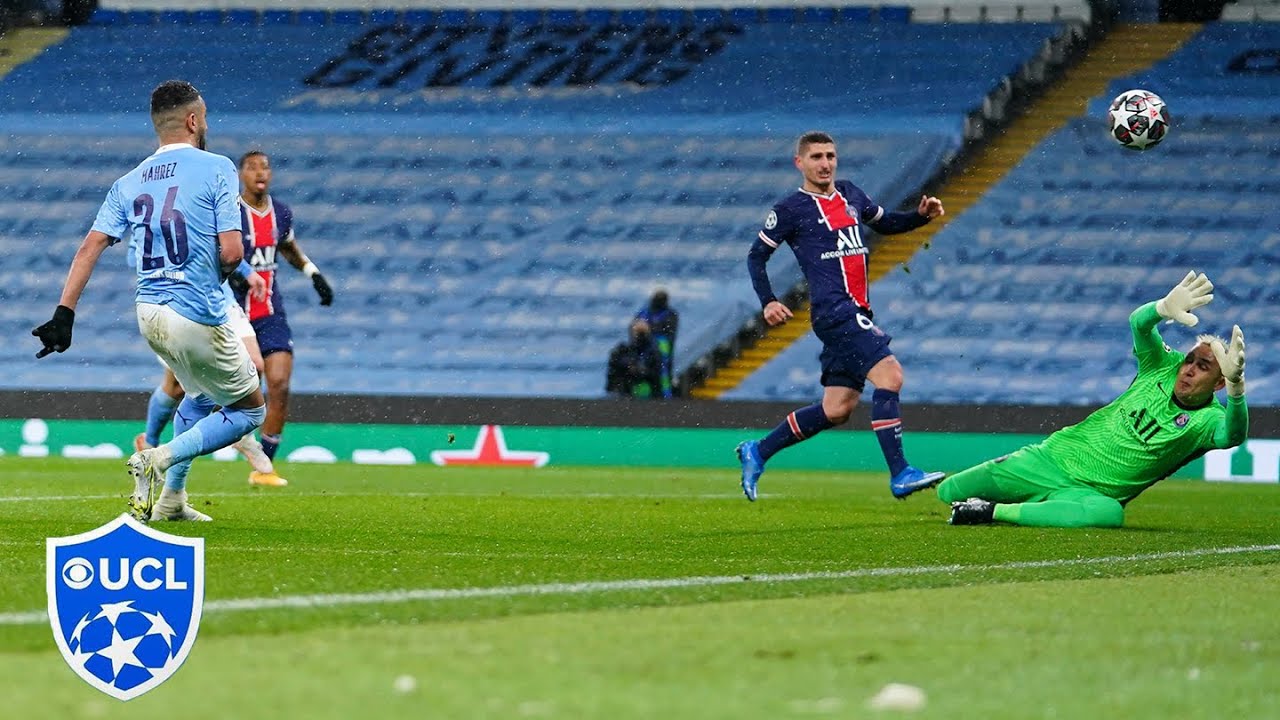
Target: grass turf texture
[{"x": 851, "y": 590}]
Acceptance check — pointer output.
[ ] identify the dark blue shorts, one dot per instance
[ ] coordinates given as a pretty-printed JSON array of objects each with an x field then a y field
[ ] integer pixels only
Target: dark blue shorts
[
  {"x": 850, "y": 349},
  {"x": 273, "y": 334}
]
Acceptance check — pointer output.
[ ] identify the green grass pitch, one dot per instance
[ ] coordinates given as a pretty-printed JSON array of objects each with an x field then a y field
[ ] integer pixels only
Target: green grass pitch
[{"x": 626, "y": 593}]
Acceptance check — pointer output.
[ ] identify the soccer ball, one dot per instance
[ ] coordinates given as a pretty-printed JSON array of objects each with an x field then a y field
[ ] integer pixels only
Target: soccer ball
[
  {"x": 123, "y": 648},
  {"x": 1138, "y": 119}
]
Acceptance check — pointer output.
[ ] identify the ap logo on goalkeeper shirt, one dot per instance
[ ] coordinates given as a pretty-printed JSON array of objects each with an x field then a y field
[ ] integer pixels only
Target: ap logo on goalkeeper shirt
[{"x": 125, "y": 603}]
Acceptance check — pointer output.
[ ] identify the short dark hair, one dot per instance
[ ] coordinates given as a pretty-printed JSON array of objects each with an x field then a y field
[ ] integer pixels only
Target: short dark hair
[
  {"x": 171, "y": 95},
  {"x": 245, "y": 157},
  {"x": 813, "y": 137}
]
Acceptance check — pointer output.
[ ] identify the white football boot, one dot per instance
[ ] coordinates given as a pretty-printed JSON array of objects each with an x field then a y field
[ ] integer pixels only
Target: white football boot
[
  {"x": 173, "y": 506},
  {"x": 251, "y": 449}
]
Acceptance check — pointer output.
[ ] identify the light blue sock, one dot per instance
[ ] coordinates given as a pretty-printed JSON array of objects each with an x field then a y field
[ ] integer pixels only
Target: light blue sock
[
  {"x": 189, "y": 413},
  {"x": 159, "y": 412},
  {"x": 214, "y": 431}
]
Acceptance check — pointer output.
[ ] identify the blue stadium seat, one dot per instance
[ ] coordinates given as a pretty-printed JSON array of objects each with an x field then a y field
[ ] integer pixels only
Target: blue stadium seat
[
  {"x": 489, "y": 18},
  {"x": 708, "y": 16},
  {"x": 894, "y": 14},
  {"x": 347, "y": 17},
  {"x": 672, "y": 16},
  {"x": 452, "y": 18},
  {"x": 277, "y": 17},
  {"x": 175, "y": 17},
  {"x": 106, "y": 16},
  {"x": 418, "y": 17},
  {"x": 562, "y": 18},
  {"x": 855, "y": 14},
  {"x": 632, "y": 17},
  {"x": 311, "y": 17},
  {"x": 596, "y": 16},
  {"x": 242, "y": 17},
  {"x": 140, "y": 17},
  {"x": 818, "y": 14},
  {"x": 206, "y": 17}
]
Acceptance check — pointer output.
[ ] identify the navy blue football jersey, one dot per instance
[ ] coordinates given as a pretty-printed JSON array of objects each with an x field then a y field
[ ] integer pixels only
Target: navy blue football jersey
[{"x": 824, "y": 231}]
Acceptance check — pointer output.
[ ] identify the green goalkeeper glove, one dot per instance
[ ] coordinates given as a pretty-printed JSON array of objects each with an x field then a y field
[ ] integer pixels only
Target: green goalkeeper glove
[
  {"x": 1231, "y": 362},
  {"x": 1193, "y": 292}
]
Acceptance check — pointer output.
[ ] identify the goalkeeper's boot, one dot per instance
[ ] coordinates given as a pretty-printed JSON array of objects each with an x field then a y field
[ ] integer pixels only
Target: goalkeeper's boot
[
  {"x": 252, "y": 451},
  {"x": 974, "y": 511},
  {"x": 752, "y": 467},
  {"x": 147, "y": 479},
  {"x": 173, "y": 506},
  {"x": 912, "y": 480},
  {"x": 266, "y": 479},
  {"x": 140, "y": 442}
]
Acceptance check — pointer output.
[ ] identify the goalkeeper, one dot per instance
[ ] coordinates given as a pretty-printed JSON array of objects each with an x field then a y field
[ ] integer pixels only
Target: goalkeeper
[{"x": 1083, "y": 475}]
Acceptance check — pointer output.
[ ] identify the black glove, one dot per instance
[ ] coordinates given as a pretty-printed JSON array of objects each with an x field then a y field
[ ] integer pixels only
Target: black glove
[
  {"x": 56, "y": 334},
  {"x": 238, "y": 284},
  {"x": 322, "y": 289}
]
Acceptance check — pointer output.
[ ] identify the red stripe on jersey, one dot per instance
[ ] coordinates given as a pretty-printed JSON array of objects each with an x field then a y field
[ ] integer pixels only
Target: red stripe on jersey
[
  {"x": 854, "y": 270},
  {"x": 835, "y": 211},
  {"x": 263, "y": 229},
  {"x": 885, "y": 424}
]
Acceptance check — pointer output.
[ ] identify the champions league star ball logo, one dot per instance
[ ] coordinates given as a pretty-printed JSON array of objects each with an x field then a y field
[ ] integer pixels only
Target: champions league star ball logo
[{"x": 125, "y": 603}]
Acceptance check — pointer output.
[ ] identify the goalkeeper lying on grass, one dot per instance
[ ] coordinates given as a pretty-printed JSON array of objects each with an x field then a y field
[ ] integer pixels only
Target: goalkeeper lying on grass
[{"x": 1083, "y": 475}]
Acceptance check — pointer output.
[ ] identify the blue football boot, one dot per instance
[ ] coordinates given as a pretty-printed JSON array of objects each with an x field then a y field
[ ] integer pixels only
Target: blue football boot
[
  {"x": 752, "y": 467},
  {"x": 912, "y": 479}
]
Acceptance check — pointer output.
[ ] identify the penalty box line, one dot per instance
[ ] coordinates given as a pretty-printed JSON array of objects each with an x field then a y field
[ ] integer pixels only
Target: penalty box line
[{"x": 388, "y": 597}]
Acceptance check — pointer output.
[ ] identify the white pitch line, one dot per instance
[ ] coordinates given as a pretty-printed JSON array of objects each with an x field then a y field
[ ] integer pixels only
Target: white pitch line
[{"x": 602, "y": 586}]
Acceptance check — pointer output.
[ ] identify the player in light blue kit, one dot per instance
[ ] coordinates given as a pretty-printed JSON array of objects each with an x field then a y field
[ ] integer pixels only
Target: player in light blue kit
[{"x": 179, "y": 206}]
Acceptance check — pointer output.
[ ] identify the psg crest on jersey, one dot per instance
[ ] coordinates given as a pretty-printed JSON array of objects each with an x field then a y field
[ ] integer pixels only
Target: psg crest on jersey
[
  {"x": 125, "y": 603},
  {"x": 1182, "y": 420}
]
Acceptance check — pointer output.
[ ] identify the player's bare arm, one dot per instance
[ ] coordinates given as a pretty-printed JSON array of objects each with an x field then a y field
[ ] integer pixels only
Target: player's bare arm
[
  {"x": 230, "y": 251},
  {"x": 292, "y": 252},
  {"x": 82, "y": 266},
  {"x": 55, "y": 335}
]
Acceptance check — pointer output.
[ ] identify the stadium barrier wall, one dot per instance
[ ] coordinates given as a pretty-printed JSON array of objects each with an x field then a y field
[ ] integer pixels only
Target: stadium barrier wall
[{"x": 659, "y": 434}]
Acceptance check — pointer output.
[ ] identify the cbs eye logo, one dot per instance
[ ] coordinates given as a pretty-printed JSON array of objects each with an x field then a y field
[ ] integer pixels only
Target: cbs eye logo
[{"x": 77, "y": 573}]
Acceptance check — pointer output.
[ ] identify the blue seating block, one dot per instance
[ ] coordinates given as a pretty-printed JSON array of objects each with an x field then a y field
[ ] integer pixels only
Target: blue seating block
[
  {"x": 347, "y": 17},
  {"x": 311, "y": 17},
  {"x": 242, "y": 17},
  {"x": 105, "y": 16},
  {"x": 277, "y": 17}
]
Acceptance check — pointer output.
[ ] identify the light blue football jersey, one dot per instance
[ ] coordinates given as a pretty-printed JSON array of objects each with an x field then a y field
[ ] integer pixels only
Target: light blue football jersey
[{"x": 170, "y": 209}]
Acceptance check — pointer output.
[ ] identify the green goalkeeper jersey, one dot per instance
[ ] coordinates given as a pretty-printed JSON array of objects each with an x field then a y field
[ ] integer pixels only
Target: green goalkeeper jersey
[{"x": 1145, "y": 434}]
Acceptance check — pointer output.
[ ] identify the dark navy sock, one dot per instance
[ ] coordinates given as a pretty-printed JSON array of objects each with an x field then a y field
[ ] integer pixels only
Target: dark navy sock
[
  {"x": 799, "y": 425},
  {"x": 270, "y": 443},
  {"x": 886, "y": 421}
]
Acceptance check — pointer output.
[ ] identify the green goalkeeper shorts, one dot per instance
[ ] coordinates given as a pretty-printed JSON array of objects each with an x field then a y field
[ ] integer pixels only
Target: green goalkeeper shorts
[{"x": 1026, "y": 475}]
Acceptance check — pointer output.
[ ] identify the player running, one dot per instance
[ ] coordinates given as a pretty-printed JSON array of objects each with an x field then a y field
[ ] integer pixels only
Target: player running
[
  {"x": 822, "y": 223},
  {"x": 1084, "y": 475},
  {"x": 179, "y": 206},
  {"x": 268, "y": 231},
  {"x": 164, "y": 400}
]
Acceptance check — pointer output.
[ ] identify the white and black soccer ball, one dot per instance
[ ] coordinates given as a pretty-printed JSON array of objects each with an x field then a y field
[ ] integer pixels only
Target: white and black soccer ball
[
  {"x": 124, "y": 648},
  {"x": 1138, "y": 119}
]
